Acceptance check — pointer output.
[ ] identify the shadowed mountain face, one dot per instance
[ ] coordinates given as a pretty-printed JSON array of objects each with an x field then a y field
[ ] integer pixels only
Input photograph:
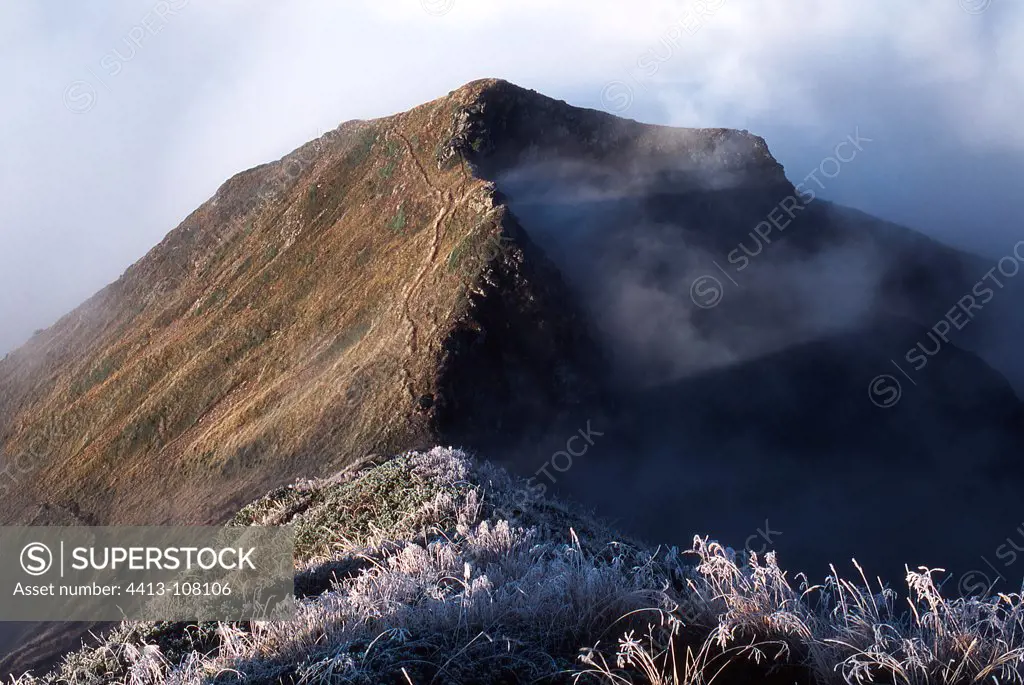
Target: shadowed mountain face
[
  {"x": 791, "y": 441},
  {"x": 496, "y": 269}
]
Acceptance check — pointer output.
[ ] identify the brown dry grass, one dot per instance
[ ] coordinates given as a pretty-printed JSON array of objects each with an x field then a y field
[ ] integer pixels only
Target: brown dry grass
[{"x": 292, "y": 316}]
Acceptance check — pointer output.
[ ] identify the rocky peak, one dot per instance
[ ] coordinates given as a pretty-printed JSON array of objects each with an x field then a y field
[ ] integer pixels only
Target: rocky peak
[{"x": 499, "y": 125}]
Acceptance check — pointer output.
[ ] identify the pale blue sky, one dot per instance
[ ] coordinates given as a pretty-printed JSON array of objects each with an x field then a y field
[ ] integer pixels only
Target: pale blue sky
[{"x": 179, "y": 95}]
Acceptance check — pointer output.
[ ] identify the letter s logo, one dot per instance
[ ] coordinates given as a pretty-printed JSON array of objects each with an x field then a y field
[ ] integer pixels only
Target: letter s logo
[{"x": 36, "y": 558}]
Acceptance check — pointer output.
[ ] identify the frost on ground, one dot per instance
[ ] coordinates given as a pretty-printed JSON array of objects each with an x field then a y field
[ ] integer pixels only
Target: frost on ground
[{"x": 434, "y": 568}]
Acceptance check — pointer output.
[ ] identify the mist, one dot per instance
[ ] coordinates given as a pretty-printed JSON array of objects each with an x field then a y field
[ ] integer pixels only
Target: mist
[{"x": 634, "y": 245}]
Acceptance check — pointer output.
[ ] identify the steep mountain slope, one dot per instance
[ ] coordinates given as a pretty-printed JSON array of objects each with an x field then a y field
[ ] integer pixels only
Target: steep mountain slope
[{"x": 319, "y": 308}]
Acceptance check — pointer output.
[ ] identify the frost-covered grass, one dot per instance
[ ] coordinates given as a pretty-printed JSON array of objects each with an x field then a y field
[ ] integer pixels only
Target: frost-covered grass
[
  {"x": 410, "y": 575},
  {"x": 734, "y": 613}
]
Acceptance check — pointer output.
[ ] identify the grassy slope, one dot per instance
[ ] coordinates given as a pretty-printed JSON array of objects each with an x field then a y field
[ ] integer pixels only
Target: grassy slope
[
  {"x": 432, "y": 567},
  {"x": 303, "y": 311}
]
